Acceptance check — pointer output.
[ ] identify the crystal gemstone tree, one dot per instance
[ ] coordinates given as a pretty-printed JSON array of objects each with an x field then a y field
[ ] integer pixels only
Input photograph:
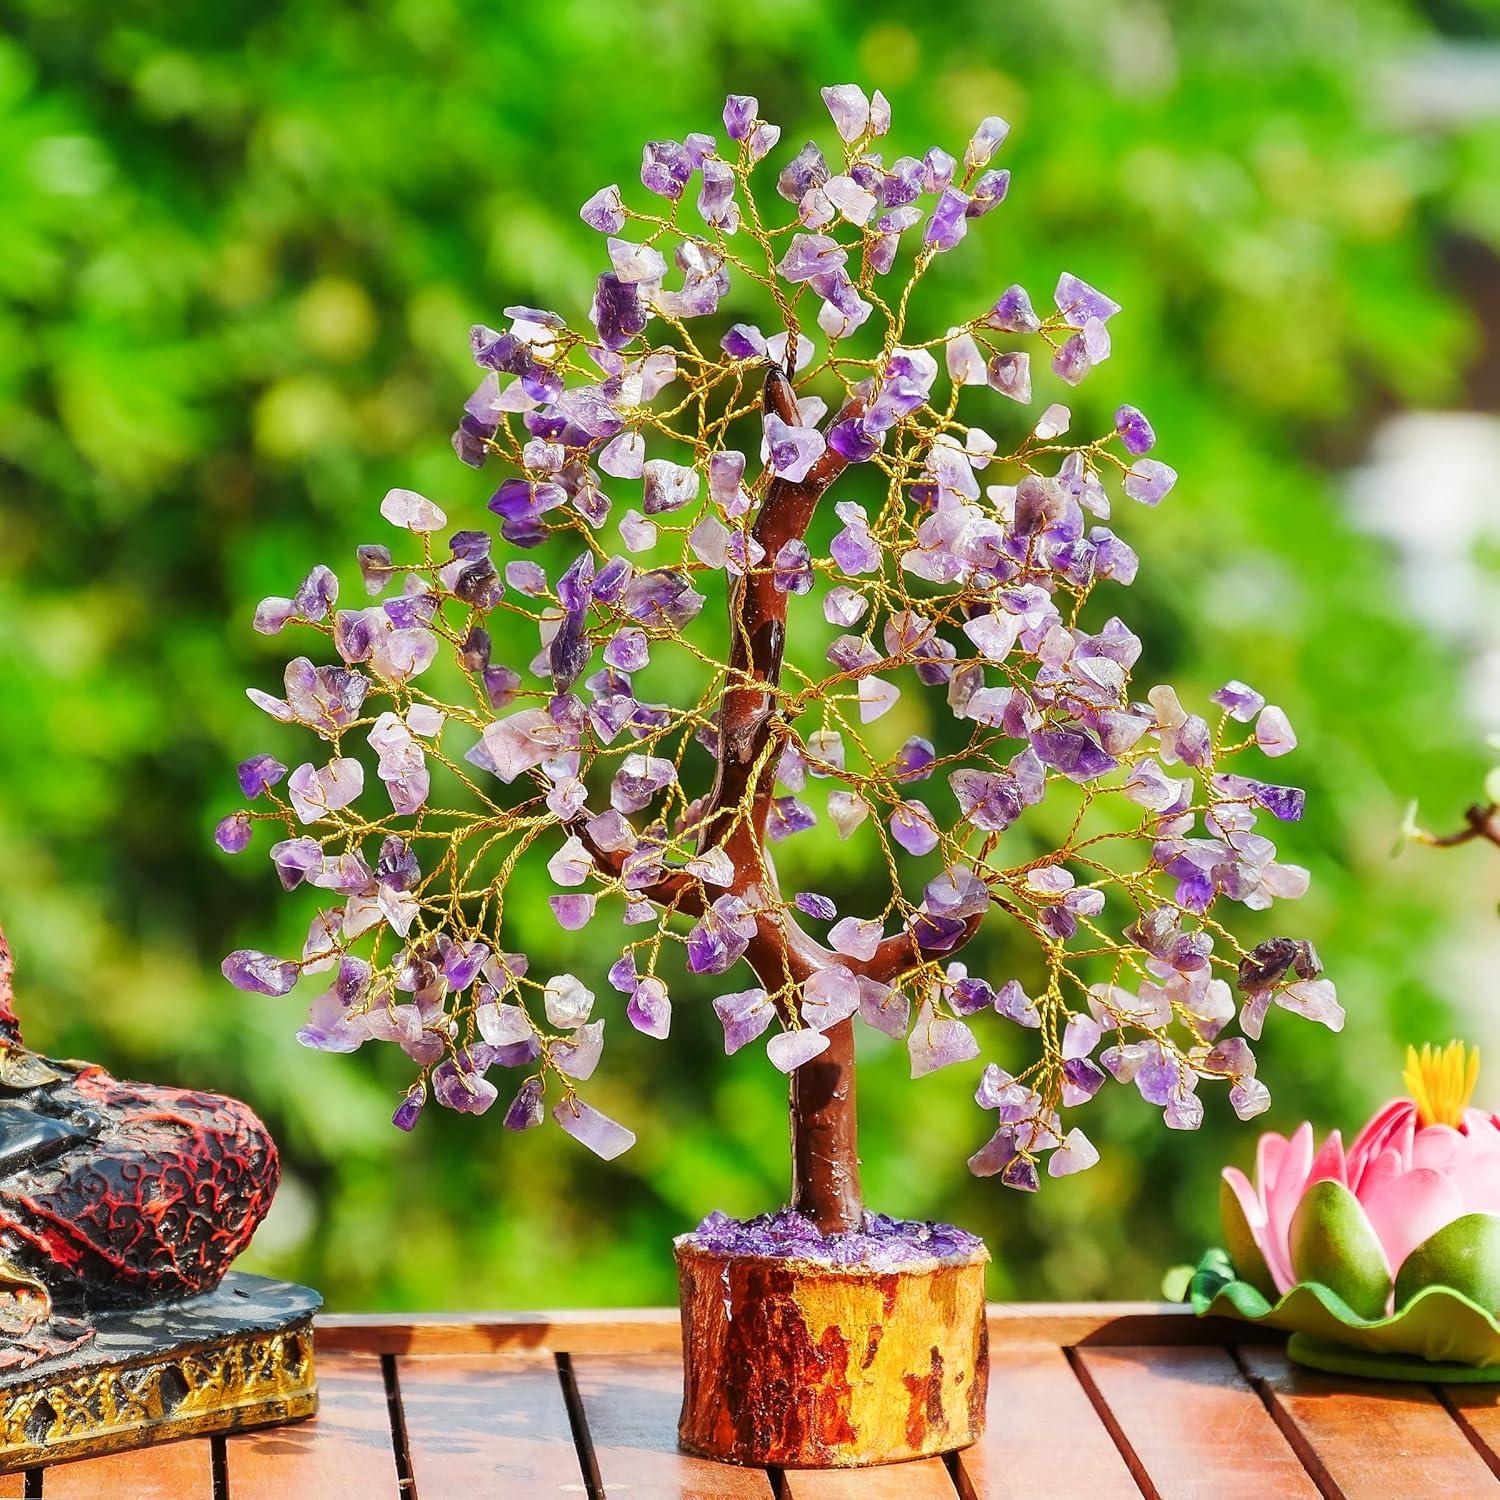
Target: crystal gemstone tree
[{"x": 755, "y": 529}]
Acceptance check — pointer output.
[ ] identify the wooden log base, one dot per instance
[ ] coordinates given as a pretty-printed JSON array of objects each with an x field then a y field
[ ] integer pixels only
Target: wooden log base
[{"x": 799, "y": 1365}]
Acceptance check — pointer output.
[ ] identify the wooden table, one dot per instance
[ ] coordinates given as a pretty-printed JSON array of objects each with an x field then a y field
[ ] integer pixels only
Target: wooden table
[{"x": 1091, "y": 1401}]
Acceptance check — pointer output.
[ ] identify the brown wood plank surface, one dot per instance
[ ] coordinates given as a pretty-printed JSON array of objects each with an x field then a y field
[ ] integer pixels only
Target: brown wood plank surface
[
  {"x": 12, "y": 1486},
  {"x": 1370, "y": 1438},
  {"x": 170, "y": 1471},
  {"x": 1034, "y": 1396},
  {"x": 926, "y": 1479},
  {"x": 631, "y": 1404},
  {"x": 1192, "y": 1424},
  {"x": 655, "y": 1330},
  {"x": 625, "y": 1330},
  {"x": 1477, "y": 1409},
  {"x": 491, "y": 1426},
  {"x": 345, "y": 1453}
]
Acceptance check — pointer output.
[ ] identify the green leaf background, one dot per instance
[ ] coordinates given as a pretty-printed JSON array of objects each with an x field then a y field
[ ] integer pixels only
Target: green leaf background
[{"x": 242, "y": 245}]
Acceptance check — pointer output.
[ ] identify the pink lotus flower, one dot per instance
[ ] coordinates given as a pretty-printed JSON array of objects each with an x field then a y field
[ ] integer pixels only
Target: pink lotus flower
[{"x": 1420, "y": 1164}]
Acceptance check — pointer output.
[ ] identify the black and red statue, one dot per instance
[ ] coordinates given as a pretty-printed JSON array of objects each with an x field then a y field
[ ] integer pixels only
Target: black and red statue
[{"x": 112, "y": 1195}]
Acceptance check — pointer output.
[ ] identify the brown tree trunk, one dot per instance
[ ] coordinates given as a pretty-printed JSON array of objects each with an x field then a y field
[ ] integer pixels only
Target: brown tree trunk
[
  {"x": 825, "y": 1149},
  {"x": 825, "y": 1158}
]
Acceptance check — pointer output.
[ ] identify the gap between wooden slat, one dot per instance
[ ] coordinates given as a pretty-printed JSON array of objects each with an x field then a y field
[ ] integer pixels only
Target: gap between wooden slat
[
  {"x": 219, "y": 1467},
  {"x": 587, "y": 1459},
  {"x": 1111, "y": 1426},
  {"x": 33, "y": 1484},
  {"x": 1307, "y": 1455},
  {"x": 399, "y": 1443},
  {"x": 1476, "y": 1441}
]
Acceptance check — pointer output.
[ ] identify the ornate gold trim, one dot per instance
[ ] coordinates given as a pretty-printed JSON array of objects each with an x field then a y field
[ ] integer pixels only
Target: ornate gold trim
[{"x": 240, "y": 1381}]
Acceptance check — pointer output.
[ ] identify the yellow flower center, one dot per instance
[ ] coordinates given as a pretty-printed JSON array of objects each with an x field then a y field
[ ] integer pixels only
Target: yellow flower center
[{"x": 1441, "y": 1081}]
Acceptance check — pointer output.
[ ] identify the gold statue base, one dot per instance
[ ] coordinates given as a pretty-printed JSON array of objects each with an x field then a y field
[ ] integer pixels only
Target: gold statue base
[{"x": 235, "y": 1358}]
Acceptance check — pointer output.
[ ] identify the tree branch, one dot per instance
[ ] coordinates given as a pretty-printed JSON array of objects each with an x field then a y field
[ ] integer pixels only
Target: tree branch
[
  {"x": 740, "y": 802},
  {"x": 738, "y": 807},
  {"x": 1482, "y": 823}
]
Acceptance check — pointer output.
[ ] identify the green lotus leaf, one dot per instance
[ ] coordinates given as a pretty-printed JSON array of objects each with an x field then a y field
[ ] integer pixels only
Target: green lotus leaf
[
  {"x": 1438, "y": 1325},
  {"x": 1332, "y": 1242},
  {"x": 1464, "y": 1255},
  {"x": 1246, "y": 1255}
]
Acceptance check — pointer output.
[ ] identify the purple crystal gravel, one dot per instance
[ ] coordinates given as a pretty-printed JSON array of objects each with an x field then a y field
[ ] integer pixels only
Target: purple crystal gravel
[{"x": 883, "y": 1245}]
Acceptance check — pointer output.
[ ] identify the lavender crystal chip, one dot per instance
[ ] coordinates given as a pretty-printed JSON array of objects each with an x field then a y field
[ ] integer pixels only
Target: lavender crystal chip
[
  {"x": 1010, "y": 374},
  {"x": 807, "y": 170},
  {"x": 1274, "y": 733},
  {"x": 811, "y": 255},
  {"x": 914, "y": 828},
  {"x": 949, "y": 221},
  {"x": 617, "y": 311},
  {"x": 525, "y": 1111},
  {"x": 232, "y": 834},
  {"x": 938, "y": 1042},
  {"x": 1284, "y": 802},
  {"x": 603, "y": 1136},
  {"x": 1077, "y": 301},
  {"x": 461, "y": 1086},
  {"x": 793, "y": 571},
  {"x": 1136, "y": 435},
  {"x": 259, "y": 774},
  {"x": 988, "y": 192},
  {"x": 665, "y": 169},
  {"x": 573, "y": 912},
  {"x": 1013, "y": 313},
  {"x": 1149, "y": 481},
  {"x": 791, "y": 451},
  {"x": 740, "y": 111},
  {"x": 1079, "y": 757},
  {"x": 789, "y": 1050},
  {"x": 1237, "y": 699},
  {"x": 260, "y": 973},
  {"x": 745, "y": 1015},
  {"x": 650, "y": 1008},
  {"x": 720, "y": 938},
  {"x": 409, "y": 1111},
  {"x": 604, "y": 210},
  {"x": 814, "y": 905},
  {"x": 667, "y": 486},
  {"x": 1021, "y": 1174}
]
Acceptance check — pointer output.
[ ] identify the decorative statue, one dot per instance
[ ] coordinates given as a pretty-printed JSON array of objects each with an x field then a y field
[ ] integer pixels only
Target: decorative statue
[{"x": 122, "y": 1206}]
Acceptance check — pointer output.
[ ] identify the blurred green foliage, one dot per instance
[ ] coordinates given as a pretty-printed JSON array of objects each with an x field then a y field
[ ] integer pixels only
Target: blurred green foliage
[{"x": 242, "y": 247}]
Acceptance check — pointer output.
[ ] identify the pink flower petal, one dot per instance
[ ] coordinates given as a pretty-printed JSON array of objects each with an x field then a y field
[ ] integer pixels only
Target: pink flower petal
[
  {"x": 1329, "y": 1165},
  {"x": 1255, "y": 1216},
  {"x": 1406, "y": 1208},
  {"x": 1476, "y": 1175},
  {"x": 1374, "y": 1138},
  {"x": 1282, "y": 1197},
  {"x": 1438, "y": 1147},
  {"x": 1269, "y": 1151}
]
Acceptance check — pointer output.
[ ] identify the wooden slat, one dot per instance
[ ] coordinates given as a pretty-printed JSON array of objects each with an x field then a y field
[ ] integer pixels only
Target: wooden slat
[
  {"x": 346, "y": 1453},
  {"x": 171, "y": 1471},
  {"x": 633, "y": 1331},
  {"x": 631, "y": 1404},
  {"x": 12, "y": 1486},
  {"x": 655, "y": 1330},
  {"x": 487, "y": 1426},
  {"x": 1370, "y": 1437},
  {"x": 1192, "y": 1425},
  {"x": 925, "y": 1480},
  {"x": 1477, "y": 1410},
  {"x": 1034, "y": 1394}
]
